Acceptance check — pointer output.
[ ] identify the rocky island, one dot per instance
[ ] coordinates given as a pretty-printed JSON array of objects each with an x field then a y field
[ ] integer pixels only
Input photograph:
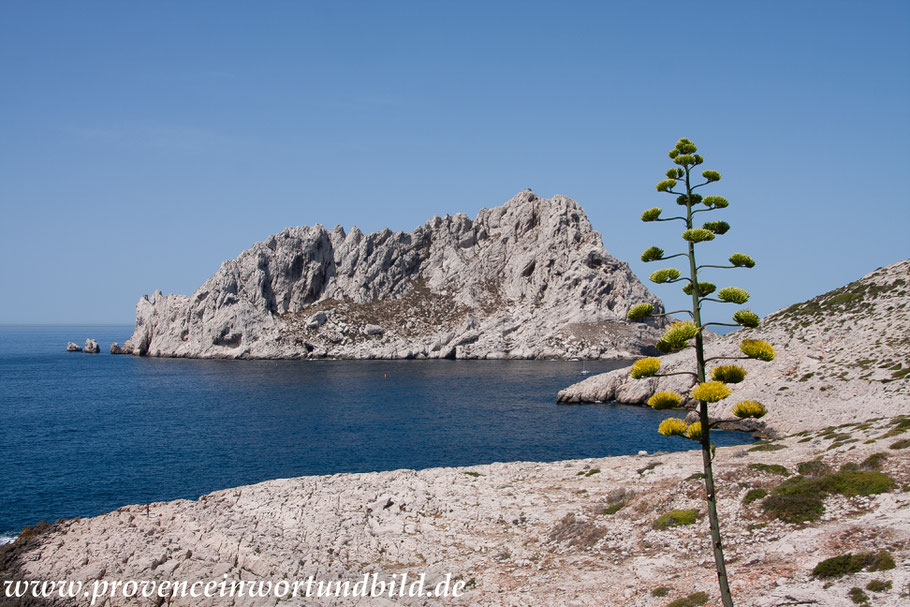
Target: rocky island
[{"x": 528, "y": 279}]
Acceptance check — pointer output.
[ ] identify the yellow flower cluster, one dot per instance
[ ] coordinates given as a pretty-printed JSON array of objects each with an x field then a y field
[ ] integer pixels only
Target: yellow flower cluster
[
  {"x": 672, "y": 426},
  {"x": 749, "y": 408},
  {"x": 728, "y": 374},
  {"x": 664, "y": 275},
  {"x": 651, "y": 214},
  {"x": 756, "y": 348},
  {"x": 698, "y": 235},
  {"x": 640, "y": 311},
  {"x": 693, "y": 431},
  {"x": 645, "y": 367},
  {"x": 733, "y": 295},
  {"x": 680, "y": 332},
  {"x": 746, "y": 318},
  {"x": 664, "y": 400},
  {"x": 710, "y": 392}
]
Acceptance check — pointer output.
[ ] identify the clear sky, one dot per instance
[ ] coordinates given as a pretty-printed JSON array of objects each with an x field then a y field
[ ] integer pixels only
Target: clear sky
[{"x": 141, "y": 144}]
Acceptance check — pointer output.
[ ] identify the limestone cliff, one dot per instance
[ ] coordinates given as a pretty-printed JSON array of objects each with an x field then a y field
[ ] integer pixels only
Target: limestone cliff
[{"x": 528, "y": 279}]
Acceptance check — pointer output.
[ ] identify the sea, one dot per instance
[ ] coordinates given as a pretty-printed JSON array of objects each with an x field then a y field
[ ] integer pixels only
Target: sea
[{"x": 82, "y": 434}]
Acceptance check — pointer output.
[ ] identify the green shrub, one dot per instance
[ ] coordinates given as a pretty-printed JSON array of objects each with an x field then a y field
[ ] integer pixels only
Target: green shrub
[
  {"x": 901, "y": 444},
  {"x": 660, "y": 591},
  {"x": 768, "y": 447},
  {"x": 770, "y": 468},
  {"x": 593, "y": 471},
  {"x": 839, "y": 566},
  {"x": 844, "y": 564},
  {"x": 676, "y": 518},
  {"x": 794, "y": 507},
  {"x": 813, "y": 468},
  {"x": 693, "y": 600},
  {"x": 858, "y": 596},
  {"x": 613, "y": 508},
  {"x": 881, "y": 561},
  {"x": 853, "y": 483},
  {"x": 800, "y": 499},
  {"x": 874, "y": 461},
  {"x": 847, "y": 482},
  {"x": 753, "y": 495},
  {"x": 879, "y": 586},
  {"x": 898, "y": 427}
]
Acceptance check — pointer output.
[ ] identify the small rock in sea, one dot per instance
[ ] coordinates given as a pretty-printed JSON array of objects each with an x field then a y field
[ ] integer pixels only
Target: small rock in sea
[
  {"x": 91, "y": 346},
  {"x": 116, "y": 349},
  {"x": 71, "y": 347}
]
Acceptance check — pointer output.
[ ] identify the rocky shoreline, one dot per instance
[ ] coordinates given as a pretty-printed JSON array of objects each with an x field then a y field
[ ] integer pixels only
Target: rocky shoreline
[{"x": 582, "y": 532}]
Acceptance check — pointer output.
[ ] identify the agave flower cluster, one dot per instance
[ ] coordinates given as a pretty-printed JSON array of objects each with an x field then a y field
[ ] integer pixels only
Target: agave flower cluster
[{"x": 680, "y": 335}]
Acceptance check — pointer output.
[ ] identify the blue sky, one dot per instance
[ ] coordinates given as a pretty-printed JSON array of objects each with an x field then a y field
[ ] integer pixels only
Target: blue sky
[{"x": 142, "y": 144}]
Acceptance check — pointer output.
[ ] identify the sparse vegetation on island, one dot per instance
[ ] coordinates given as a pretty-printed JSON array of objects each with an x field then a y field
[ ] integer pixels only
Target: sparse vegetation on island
[
  {"x": 693, "y": 600},
  {"x": 801, "y": 498},
  {"x": 676, "y": 518},
  {"x": 845, "y": 564}
]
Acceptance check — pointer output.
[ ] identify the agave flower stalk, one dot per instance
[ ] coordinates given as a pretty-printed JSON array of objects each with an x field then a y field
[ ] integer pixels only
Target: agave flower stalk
[{"x": 678, "y": 335}]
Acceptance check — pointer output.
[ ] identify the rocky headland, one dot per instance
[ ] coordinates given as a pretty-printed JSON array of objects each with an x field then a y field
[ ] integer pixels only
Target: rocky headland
[
  {"x": 841, "y": 357},
  {"x": 528, "y": 279}
]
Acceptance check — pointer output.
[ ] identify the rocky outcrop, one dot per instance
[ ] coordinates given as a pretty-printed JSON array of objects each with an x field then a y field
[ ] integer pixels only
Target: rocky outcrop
[
  {"x": 91, "y": 346},
  {"x": 116, "y": 349},
  {"x": 529, "y": 279},
  {"x": 73, "y": 347},
  {"x": 841, "y": 357}
]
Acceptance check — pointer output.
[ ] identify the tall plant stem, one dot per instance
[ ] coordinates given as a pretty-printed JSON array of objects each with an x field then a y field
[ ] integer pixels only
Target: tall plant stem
[{"x": 719, "y": 562}]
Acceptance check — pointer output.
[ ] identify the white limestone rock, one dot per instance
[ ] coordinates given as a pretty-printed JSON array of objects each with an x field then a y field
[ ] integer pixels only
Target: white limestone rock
[
  {"x": 73, "y": 347},
  {"x": 528, "y": 279},
  {"x": 373, "y": 330},
  {"x": 316, "y": 320},
  {"x": 91, "y": 346}
]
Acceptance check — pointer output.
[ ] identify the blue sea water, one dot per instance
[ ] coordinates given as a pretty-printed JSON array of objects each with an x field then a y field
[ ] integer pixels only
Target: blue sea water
[{"x": 84, "y": 434}]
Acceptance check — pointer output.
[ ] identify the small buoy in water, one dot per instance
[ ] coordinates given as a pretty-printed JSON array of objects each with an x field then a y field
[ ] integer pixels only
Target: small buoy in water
[{"x": 385, "y": 376}]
